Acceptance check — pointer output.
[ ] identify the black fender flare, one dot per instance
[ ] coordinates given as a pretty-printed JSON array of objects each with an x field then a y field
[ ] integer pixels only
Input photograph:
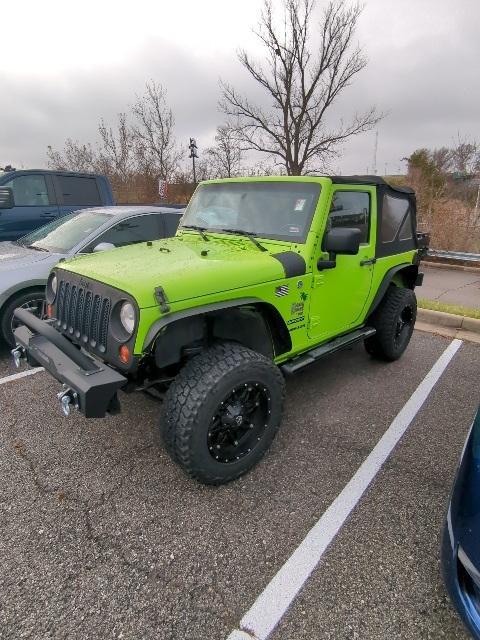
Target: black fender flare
[
  {"x": 159, "y": 324},
  {"x": 411, "y": 272}
]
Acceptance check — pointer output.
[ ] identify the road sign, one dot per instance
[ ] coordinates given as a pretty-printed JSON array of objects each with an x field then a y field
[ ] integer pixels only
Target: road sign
[{"x": 162, "y": 188}]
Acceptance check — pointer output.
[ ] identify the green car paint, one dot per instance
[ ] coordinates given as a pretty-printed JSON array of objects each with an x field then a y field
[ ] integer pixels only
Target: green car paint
[{"x": 194, "y": 272}]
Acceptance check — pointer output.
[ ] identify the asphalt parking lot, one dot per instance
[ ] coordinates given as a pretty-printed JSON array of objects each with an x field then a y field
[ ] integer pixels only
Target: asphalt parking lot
[{"x": 102, "y": 536}]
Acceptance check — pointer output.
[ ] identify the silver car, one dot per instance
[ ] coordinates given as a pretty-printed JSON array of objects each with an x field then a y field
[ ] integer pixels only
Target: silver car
[{"x": 26, "y": 263}]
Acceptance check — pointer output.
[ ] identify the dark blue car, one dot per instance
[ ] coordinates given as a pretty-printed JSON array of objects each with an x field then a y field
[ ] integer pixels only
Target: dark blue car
[
  {"x": 31, "y": 198},
  {"x": 461, "y": 540}
]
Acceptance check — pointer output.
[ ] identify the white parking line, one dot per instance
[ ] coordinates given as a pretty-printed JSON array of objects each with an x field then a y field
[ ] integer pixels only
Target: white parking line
[
  {"x": 271, "y": 605},
  {"x": 22, "y": 374}
]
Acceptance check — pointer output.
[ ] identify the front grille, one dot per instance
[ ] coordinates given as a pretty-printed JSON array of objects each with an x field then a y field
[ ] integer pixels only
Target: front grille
[{"x": 83, "y": 314}]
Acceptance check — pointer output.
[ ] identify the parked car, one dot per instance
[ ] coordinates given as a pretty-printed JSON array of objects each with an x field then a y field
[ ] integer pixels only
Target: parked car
[
  {"x": 31, "y": 198},
  {"x": 461, "y": 538},
  {"x": 258, "y": 283},
  {"x": 26, "y": 263}
]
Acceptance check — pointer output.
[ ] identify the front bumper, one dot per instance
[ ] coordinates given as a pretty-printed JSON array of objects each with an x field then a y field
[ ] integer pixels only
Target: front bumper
[{"x": 94, "y": 383}]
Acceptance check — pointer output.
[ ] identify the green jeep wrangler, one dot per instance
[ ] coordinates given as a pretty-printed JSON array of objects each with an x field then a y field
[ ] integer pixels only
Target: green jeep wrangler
[{"x": 264, "y": 277}]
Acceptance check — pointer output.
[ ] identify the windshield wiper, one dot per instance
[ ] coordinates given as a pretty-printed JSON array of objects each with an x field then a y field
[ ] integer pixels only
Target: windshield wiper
[
  {"x": 247, "y": 234},
  {"x": 200, "y": 230},
  {"x": 32, "y": 246}
]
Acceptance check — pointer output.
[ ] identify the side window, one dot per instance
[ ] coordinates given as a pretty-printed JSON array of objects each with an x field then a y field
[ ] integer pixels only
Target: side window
[
  {"x": 396, "y": 219},
  {"x": 132, "y": 230},
  {"x": 351, "y": 209},
  {"x": 78, "y": 191},
  {"x": 29, "y": 191},
  {"x": 170, "y": 220}
]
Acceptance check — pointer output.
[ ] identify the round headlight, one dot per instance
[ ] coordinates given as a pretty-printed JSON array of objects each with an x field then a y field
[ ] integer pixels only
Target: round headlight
[
  {"x": 52, "y": 288},
  {"x": 127, "y": 317}
]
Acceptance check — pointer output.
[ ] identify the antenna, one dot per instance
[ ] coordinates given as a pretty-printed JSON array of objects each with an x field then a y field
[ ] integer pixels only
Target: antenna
[{"x": 375, "y": 148}]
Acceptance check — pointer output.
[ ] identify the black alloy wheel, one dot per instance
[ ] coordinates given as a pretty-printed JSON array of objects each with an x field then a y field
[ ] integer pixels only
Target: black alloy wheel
[
  {"x": 239, "y": 422},
  {"x": 394, "y": 321},
  {"x": 222, "y": 411},
  {"x": 403, "y": 327}
]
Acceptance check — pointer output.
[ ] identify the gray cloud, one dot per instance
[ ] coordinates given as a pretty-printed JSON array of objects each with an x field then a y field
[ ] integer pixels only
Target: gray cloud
[{"x": 425, "y": 78}]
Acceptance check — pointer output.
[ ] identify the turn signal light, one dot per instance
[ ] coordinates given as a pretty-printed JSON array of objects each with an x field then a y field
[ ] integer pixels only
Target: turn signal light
[
  {"x": 49, "y": 311},
  {"x": 124, "y": 353}
]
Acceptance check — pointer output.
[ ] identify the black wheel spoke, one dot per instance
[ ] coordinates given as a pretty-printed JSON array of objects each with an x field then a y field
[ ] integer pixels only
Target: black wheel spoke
[{"x": 239, "y": 422}]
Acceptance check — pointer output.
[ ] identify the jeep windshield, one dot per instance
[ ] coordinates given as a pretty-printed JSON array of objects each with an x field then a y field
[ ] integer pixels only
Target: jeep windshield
[
  {"x": 274, "y": 210},
  {"x": 61, "y": 235}
]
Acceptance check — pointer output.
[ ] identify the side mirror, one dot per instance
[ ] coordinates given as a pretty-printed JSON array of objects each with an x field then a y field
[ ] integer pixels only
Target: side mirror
[
  {"x": 103, "y": 246},
  {"x": 339, "y": 241},
  {"x": 343, "y": 241},
  {"x": 7, "y": 201}
]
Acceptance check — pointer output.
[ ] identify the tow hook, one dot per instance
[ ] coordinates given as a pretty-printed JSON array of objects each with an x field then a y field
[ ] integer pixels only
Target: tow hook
[
  {"x": 18, "y": 355},
  {"x": 68, "y": 398}
]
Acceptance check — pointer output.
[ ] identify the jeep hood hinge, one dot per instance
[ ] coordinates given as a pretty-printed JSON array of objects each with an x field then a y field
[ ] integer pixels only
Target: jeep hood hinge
[{"x": 162, "y": 299}]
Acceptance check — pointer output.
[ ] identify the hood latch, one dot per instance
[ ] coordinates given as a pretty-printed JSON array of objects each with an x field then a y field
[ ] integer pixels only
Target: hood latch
[{"x": 162, "y": 300}]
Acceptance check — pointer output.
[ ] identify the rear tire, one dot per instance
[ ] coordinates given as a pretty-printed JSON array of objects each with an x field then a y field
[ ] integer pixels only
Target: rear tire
[
  {"x": 222, "y": 412},
  {"x": 394, "y": 321},
  {"x": 34, "y": 300}
]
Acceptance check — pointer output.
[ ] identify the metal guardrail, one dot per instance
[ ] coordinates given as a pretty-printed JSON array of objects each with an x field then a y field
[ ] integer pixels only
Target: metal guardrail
[{"x": 458, "y": 256}]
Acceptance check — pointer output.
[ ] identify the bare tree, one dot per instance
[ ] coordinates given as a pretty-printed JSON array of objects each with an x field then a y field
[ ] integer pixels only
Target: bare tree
[
  {"x": 117, "y": 154},
  {"x": 303, "y": 84},
  {"x": 226, "y": 156},
  {"x": 154, "y": 131},
  {"x": 442, "y": 159},
  {"x": 73, "y": 157},
  {"x": 466, "y": 156}
]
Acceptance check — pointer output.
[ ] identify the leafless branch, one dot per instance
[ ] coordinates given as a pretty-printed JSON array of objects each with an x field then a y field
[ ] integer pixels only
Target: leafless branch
[
  {"x": 303, "y": 81},
  {"x": 154, "y": 131}
]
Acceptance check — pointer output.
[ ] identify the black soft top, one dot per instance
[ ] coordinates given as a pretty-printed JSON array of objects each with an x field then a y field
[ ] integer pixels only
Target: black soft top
[
  {"x": 389, "y": 243},
  {"x": 375, "y": 180}
]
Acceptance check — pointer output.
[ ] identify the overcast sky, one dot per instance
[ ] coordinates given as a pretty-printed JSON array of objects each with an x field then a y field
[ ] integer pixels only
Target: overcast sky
[{"x": 65, "y": 65}]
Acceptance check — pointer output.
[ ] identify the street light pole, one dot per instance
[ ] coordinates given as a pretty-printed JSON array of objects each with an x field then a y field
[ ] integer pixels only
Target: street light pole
[{"x": 193, "y": 154}]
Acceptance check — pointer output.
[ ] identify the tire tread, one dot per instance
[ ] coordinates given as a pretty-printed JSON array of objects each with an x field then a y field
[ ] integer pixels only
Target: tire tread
[
  {"x": 186, "y": 395},
  {"x": 381, "y": 345}
]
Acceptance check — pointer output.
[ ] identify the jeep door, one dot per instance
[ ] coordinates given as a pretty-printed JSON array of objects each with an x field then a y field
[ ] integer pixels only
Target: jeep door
[
  {"x": 339, "y": 295},
  {"x": 35, "y": 205}
]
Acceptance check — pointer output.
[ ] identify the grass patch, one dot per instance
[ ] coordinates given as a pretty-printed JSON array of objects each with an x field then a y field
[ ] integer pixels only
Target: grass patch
[{"x": 456, "y": 309}]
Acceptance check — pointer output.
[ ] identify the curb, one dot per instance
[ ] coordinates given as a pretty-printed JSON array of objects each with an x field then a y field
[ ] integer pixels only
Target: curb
[
  {"x": 431, "y": 264},
  {"x": 448, "y": 324}
]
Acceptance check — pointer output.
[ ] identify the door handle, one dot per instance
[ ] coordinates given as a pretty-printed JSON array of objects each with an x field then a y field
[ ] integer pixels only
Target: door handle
[
  {"x": 363, "y": 263},
  {"x": 49, "y": 214}
]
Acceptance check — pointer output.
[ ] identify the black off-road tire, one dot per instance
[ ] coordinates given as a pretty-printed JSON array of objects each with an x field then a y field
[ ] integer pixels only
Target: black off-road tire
[
  {"x": 394, "y": 321},
  {"x": 23, "y": 298},
  {"x": 195, "y": 397}
]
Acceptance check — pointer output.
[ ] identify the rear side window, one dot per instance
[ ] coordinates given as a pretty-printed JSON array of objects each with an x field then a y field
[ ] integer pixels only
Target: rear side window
[
  {"x": 29, "y": 191},
  {"x": 78, "y": 191},
  {"x": 396, "y": 219},
  {"x": 351, "y": 209},
  {"x": 171, "y": 220},
  {"x": 133, "y": 230}
]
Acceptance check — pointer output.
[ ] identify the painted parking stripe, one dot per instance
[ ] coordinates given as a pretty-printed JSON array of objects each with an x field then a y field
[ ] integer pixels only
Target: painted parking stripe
[
  {"x": 271, "y": 605},
  {"x": 22, "y": 374}
]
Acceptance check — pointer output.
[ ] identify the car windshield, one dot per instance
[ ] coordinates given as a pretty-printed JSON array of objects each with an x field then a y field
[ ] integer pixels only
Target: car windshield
[
  {"x": 61, "y": 235},
  {"x": 275, "y": 210}
]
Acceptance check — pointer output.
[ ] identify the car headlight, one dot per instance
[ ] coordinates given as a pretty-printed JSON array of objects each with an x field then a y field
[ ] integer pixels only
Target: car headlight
[
  {"x": 127, "y": 317},
  {"x": 51, "y": 288}
]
